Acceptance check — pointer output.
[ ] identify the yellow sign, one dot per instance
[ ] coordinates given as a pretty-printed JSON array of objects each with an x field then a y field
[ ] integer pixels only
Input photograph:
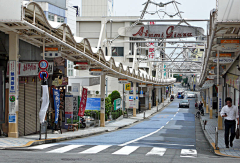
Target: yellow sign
[{"x": 128, "y": 87}]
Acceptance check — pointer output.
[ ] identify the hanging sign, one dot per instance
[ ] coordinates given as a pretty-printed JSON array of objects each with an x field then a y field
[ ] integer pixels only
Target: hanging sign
[
  {"x": 224, "y": 60},
  {"x": 83, "y": 103},
  {"x": 41, "y": 73},
  {"x": 123, "y": 81},
  {"x": 128, "y": 87},
  {"x": 51, "y": 48},
  {"x": 95, "y": 71},
  {"x": 81, "y": 65},
  {"x": 117, "y": 104},
  {"x": 56, "y": 98},
  {"x": 43, "y": 64},
  {"x": 142, "y": 85},
  {"x": 141, "y": 94},
  {"x": 149, "y": 85},
  {"x": 161, "y": 31},
  {"x": 228, "y": 48},
  {"x": 75, "y": 107},
  {"x": 211, "y": 76},
  {"x": 228, "y": 41}
]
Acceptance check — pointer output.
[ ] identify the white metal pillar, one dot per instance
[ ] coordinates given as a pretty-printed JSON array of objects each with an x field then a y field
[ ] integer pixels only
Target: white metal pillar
[
  {"x": 102, "y": 116},
  {"x": 207, "y": 100},
  {"x": 134, "y": 98},
  {"x": 220, "y": 105},
  {"x": 13, "y": 84}
]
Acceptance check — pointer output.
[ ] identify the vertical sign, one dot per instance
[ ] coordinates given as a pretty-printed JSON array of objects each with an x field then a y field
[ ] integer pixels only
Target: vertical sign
[
  {"x": 75, "y": 108},
  {"x": 56, "y": 97},
  {"x": 220, "y": 101},
  {"x": 128, "y": 87},
  {"x": 83, "y": 103},
  {"x": 151, "y": 50},
  {"x": 45, "y": 103},
  {"x": 69, "y": 107},
  {"x": 12, "y": 76}
]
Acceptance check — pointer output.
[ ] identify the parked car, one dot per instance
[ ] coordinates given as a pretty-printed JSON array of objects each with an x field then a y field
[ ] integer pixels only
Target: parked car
[
  {"x": 184, "y": 103},
  {"x": 191, "y": 95}
]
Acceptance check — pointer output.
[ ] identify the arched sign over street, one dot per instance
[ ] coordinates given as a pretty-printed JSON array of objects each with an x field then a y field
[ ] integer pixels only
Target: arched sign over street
[{"x": 161, "y": 31}]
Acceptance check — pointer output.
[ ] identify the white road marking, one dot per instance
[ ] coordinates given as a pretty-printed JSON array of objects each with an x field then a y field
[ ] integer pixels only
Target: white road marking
[
  {"x": 44, "y": 146},
  {"x": 167, "y": 122},
  {"x": 170, "y": 144},
  {"x": 126, "y": 150},
  {"x": 95, "y": 149},
  {"x": 157, "y": 151},
  {"x": 132, "y": 141},
  {"x": 64, "y": 149},
  {"x": 172, "y": 119},
  {"x": 175, "y": 115},
  {"x": 188, "y": 153}
]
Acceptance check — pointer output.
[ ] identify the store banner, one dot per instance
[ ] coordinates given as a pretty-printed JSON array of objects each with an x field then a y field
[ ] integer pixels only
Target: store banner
[
  {"x": 45, "y": 103},
  {"x": 83, "y": 103},
  {"x": 56, "y": 97}
]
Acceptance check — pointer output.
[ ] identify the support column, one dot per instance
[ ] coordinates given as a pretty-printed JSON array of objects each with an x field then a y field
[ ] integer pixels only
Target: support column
[
  {"x": 134, "y": 98},
  {"x": 13, "y": 84},
  {"x": 157, "y": 91},
  {"x": 207, "y": 98},
  {"x": 102, "y": 116},
  {"x": 210, "y": 102},
  {"x": 220, "y": 97},
  {"x": 150, "y": 98}
]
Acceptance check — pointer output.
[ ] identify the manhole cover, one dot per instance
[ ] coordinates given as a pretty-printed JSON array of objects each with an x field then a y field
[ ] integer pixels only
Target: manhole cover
[{"x": 76, "y": 159}]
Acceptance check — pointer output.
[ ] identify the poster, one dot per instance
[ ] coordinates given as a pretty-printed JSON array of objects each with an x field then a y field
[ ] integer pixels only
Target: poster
[
  {"x": 12, "y": 118},
  {"x": 75, "y": 108},
  {"x": 68, "y": 104},
  {"x": 56, "y": 97}
]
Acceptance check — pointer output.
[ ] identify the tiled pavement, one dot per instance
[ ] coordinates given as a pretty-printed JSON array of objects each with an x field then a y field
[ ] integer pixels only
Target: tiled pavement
[
  {"x": 34, "y": 139},
  {"x": 210, "y": 134}
]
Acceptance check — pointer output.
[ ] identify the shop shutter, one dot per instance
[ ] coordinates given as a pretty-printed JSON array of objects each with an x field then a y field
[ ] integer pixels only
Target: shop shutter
[
  {"x": 39, "y": 95},
  {"x": 21, "y": 109},
  {"x": 30, "y": 106}
]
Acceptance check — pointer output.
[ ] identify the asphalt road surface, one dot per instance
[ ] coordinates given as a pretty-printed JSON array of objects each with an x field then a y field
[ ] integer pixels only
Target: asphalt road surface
[{"x": 172, "y": 135}]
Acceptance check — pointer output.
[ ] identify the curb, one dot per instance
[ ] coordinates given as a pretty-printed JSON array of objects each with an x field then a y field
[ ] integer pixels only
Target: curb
[
  {"x": 54, "y": 140},
  {"x": 212, "y": 144}
]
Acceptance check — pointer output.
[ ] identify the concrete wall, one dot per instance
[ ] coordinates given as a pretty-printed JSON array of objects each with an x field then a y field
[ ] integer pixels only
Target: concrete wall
[{"x": 94, "y": 8}]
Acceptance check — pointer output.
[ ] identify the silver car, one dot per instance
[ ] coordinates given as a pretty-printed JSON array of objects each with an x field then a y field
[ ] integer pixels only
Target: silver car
[{"x": 184, "y": 103}]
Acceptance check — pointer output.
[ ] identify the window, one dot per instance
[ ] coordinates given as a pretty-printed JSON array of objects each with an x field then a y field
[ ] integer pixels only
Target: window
[
  {"x": 130, "y": 59},
  {"x": 70, "y": 68},
  {"x": 60, "y": 19},
  {"x": 50, "y": 16},
  {"x": 116, "y": 51},
  {"x": 201, "y": 50}
]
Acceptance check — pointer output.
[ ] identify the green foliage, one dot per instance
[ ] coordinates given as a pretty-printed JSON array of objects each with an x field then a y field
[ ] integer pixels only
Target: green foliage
[{"x": 114, "y": 95}]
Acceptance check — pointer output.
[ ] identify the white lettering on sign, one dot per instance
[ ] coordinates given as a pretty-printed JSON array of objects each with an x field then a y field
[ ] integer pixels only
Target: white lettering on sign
[
  {"x": 224, "y": 60},
  {"x": 12, "y": 76}
]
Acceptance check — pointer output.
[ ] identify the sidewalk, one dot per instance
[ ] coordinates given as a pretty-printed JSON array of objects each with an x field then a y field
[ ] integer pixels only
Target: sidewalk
[
  {"x": 210, "y": 135},
  {"x": 25, "y": 141}
]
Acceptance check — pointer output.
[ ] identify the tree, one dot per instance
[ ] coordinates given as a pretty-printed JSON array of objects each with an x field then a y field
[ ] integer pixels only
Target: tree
[{"x": 114, "y": 95}]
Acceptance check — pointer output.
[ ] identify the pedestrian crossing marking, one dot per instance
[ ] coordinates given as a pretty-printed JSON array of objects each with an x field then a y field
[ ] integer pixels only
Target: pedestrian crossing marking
[
  {"x": 95, "y": 149},
  {"x": 157, "y": 151},
  {"x": 44, "y": 146},
  {"x": 65, "y": 149},
  {"x": 188, "y": 153},
  {"x": 126, "y": 150}
]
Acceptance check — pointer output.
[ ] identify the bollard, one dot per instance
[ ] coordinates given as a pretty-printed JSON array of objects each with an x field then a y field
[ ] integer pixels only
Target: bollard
[
  {"x": 216, "y": 138},
  {"x": 143, "y": 115}
]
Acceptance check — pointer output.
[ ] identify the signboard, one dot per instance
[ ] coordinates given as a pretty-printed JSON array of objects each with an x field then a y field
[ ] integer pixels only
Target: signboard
[
  {"x": 68, "y": 104},
  {"x": 224, "y": 55},
  {"x": 131, "y": 102},
  {"x": 93, "y": 104},
  {"x": 60, "y": 82},
  {"x": 228, "y": 41},
  {"x": 141, "y": 94},
  {"x": 51, "y": 48},
  {"x": 12, "y": 76},
  {"x": 12, "y": 118},
  {"x": 45, "y": 103},
  {"x": 75, "y": 107},
  {"x": 219, "y": 101},
  {"x": 81, "y": 65},
  {"x": 228, "y": 48},
  {"x": 31, "y": 69},
  {"x": 43, "y": 64},
  {"x": 150, "y": 85},
  {"x": 95, "y": 72},
  {"x": 161, "y": 31},
  {"x": 41, "y": 73},
  {"x": 75, "y": 89},
  {"x": 128, "y": 87},
  {"x": 211, "y": 76},
  {"x": 232, "y": 80},
  {"x": 142, "y": 85},
  {"x": 123, "y": 81},
  {"x": 117, "y": 103},
  {"x": 12, "y": 104},
  {"x": 224, "y": 60}
]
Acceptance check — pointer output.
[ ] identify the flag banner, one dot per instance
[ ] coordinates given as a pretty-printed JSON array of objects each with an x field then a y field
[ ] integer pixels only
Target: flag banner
[
  {"x": 83, "y": 103},
  {"x": 45, "y": 103},
  {"x": 56, "y": 97}
]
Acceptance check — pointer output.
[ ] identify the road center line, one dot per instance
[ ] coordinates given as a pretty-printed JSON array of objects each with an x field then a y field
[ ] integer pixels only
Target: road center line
[{"x": 132, "y": 141}]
